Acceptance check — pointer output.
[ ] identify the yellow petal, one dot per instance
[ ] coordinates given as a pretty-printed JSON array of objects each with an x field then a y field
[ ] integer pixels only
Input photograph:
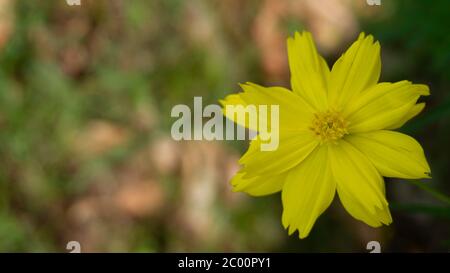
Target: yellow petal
[
  {"x": 357, "y": 210},
  {"x": 293, "y": 148},
  {"x": 258, "y": 185},
  {"x": 294, "y": 113},
  {"x": 309, "y": 71},
  {"x": 414, "y": 111},
  {"x": 359, "y": 185},
  {"x": 393, "y": 154},
  {"x": 236, "y": 100},
  {"x": 357, "y": 69},
  {"x": 383, "y": 106},
  {"x": 308, "y": 190}
]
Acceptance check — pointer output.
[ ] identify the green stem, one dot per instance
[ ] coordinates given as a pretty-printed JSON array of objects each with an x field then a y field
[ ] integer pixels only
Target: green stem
[
  {"x": 437, "y": 211},
  {"x": 435, "y": 193}
]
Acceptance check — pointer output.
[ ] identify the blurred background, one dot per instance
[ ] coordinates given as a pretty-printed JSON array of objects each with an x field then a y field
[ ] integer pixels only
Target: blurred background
[{"x": 85, "y": 99}]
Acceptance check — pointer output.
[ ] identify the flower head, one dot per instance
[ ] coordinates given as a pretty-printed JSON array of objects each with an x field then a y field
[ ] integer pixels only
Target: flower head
[{"x": 336, "y": 135}]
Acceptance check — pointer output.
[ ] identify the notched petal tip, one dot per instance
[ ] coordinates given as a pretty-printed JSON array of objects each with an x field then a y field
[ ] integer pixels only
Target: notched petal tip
[
  {"x": 423, "y": 89},
  {"x": 361, "y": 35},
  {"x": 364, "y": 37},
  {"x": 249, "y": 87},
  {"x": 299, "y": 36},
  {"x": 242, "y": 85},
  {"x": 292, "y": 230},
  {"x": 368, "y": 40},
  {"x": 252, "y": 84},
  {"x": 385, "y": 215}
]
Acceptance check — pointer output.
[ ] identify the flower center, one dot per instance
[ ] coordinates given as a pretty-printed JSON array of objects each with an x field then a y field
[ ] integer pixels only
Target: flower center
[{"x": 329, "y": 126}]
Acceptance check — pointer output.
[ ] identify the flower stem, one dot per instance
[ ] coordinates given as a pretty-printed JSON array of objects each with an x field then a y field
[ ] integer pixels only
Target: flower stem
[{"x": 435, "y": 193}]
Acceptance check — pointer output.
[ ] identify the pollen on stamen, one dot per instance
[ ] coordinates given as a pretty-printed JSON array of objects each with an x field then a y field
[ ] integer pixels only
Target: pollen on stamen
[{"x": 329, "y": 126}]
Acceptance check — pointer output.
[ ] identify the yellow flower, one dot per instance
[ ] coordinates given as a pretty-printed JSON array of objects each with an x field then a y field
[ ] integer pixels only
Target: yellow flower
[{"x": 335, "y": 134}]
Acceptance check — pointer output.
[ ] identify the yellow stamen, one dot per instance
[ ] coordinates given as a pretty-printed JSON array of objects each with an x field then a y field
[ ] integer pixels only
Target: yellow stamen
[{"x": 329, "y": 126}]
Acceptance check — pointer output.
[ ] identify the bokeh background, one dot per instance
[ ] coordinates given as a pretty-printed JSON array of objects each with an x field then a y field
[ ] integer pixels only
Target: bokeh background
[{"x": 85, "y": 99}]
